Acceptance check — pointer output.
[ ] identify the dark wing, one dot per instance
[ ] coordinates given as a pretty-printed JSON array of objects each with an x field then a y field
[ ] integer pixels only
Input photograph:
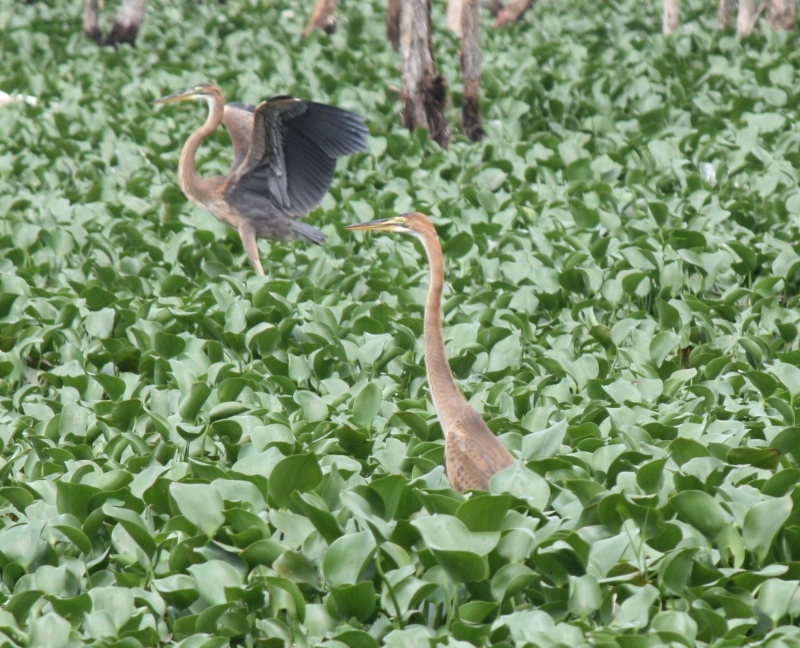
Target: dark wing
[
  {"x": 293, "y": 151},
  {"x": 238, "y": 119}
]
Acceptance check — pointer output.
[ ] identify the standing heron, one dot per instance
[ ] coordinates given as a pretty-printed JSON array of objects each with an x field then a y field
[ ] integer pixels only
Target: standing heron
[
  {"x": 472, "y": 453},
  {"x": 285, "y": 152}
]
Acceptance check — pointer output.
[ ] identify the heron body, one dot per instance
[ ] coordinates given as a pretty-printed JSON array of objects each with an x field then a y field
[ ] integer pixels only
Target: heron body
[
  {"x": 285, "y": 152},
  {"x": 472, "y": 452}
]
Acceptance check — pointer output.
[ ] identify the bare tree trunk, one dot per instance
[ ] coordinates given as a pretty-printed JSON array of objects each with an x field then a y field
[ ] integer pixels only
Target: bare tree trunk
[
  {"x": 471, "y": 69},
  {"x": 393, "y": 24},
  {"x": 323, "y": 18},
  {"x": 454, "y": 13},
  {"x": 725, "y": 12},
  {"x": 90, "y": 14},
  {"x": 511, "y": 13},
  {"x": 129, "y": 21},
  {"x": 672, "y": 19},
  {"x": 780, "y": 14},
  {"x": 746, "y": 19},
  {"x": 424, "y": 92},
  {"x": 494, "y": 7}
]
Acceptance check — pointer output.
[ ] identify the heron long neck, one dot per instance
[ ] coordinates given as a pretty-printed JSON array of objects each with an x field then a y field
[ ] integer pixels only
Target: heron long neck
[
  {"x": 196, "y": 188},
  {"x": 446, "y": 396}
]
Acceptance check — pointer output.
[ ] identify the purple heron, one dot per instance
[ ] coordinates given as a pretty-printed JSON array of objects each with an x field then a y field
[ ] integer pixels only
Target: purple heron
[
  {"x": 285, "y": 152},
  {"x": 472, "y": 453}
]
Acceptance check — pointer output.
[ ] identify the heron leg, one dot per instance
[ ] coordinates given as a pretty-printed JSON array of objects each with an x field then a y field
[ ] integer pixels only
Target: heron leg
[{"x": 248, "y": 235}]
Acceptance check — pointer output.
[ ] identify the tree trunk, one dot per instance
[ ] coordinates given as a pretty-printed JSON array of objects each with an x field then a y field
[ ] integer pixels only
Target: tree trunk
[
  {"x": 129, "y": 21},
  {"x": 511, "y": 13},
  {"x": 393, "y": 24},
  {"x": 424, "y": 91},
  {"x": 725, "y": 12},
  {"x": 746, "y": 19},
  {"x": 454, "y": 12},
  {"x": 323, "y": 18},
  {"x": 780, "y": 14},
  {"x": 471, "y": 69},
  {"x": 672, "y": 19},
  {"x": 494, "y": 7},
  {"x": 90, "y": 14}
]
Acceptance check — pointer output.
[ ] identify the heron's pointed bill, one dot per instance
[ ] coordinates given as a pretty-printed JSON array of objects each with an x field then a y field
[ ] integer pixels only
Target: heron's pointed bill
[
  {"x": 183, "y": 95},
  {"x": 392, "y": 224}
]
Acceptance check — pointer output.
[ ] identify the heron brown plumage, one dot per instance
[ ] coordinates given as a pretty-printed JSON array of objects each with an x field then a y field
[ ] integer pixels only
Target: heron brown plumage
[
  {"x": 472, "y": 452},
  {"x": 285, "y": 152}
]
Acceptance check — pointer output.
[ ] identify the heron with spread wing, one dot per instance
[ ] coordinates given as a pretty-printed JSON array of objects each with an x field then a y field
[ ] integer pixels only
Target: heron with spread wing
[
  {"x": 472, "y": 453},
  {"x": 285, "y": 152}
]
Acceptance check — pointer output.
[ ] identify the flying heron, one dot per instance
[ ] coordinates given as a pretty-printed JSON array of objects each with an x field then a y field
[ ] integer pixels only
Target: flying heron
[
  {"x": 285, "y": 152},
  {"x": 472, "y": 453}
]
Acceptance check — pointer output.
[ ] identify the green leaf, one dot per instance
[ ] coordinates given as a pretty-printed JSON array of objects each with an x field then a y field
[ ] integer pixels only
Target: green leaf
[
  {"x": 762, "y": 523},
  {"x": 485, "y": 513},
  {"x": 520, "y": 481},
  {"x": 544, "y": 444},
  {"x": 347, "y": 558},
  {"x": 634, "y": 612},
  {"x": 775, "y": 597},
  {"x": 20, "y": 543},
  {"x": 700, "y": 510},
  {"x": 168, "y": 345},
  {"x": 585, "y": 596},
  {"x": 675, "y": 570},
  {"x": 294, "y": 473},
  {"x": 201, "y": 504},
  {"x": 190, "y": 406},
  {"x": 50, "y": 631},
  {"x": 367, "y": 405},
  {"x": 353, "y": 601},
  {"x": 789, "y": 375},
  {"x": 17, "y": 496},
  {"x": 463, "y": 566},
  {"x": 212, "y": 578},
  {"x": 662, "y": 345}
]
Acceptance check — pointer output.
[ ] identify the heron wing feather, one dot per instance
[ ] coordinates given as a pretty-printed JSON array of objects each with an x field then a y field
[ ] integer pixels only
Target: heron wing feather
[{"x": 293, "y": 151}]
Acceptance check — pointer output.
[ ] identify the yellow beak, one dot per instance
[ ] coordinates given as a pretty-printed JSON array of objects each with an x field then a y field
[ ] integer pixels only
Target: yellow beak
[
  {"x": 383, "y": 225},
  {"x": 184, "y": 95}
]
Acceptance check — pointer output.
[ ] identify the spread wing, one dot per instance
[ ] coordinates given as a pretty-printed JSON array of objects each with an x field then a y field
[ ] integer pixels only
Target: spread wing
[
  {"x": 238, "y": 119},
  {"x": 293, "y": 151}
]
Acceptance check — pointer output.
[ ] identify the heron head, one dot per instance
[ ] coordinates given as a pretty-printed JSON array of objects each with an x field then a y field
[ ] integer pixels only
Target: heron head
[
  {"x": 200, "y": 92},
  {"x": 411, "y": 223}
]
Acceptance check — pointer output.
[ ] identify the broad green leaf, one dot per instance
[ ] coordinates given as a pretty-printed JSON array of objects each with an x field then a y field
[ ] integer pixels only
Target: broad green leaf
[
  {"x": 50, "y": 631},
  {"x": 585, "y": 596},
  {"x": 484, "y": 513},
  {"x": 761, "y": 524},
  {"x": 347, "y": 558},
  {"x": 295, "y": 473},
  {"x": 212, "y": 578},
  {"x": 662, "y": 345},
  {"x": 775, "y": 598},
  {"x": 634, "y": 612},
  {"x": 700, "y": 510},
  {"x": 544, "y": 443},
  {"x": 20, "y": 543},
  {"x": 367, "y": 405},
  {"x": 201, "y": 504},
  {"x": 520, "y": 481}
]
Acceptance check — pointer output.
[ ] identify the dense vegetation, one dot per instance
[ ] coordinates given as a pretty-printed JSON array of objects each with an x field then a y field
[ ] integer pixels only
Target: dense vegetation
[{"x": 195, "y": 455}]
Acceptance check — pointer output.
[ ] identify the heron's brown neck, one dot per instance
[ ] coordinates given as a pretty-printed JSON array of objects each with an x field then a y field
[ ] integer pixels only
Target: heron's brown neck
[
  {"x": 447, "y": 398},
  {"x": 196, "y": 188}
]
